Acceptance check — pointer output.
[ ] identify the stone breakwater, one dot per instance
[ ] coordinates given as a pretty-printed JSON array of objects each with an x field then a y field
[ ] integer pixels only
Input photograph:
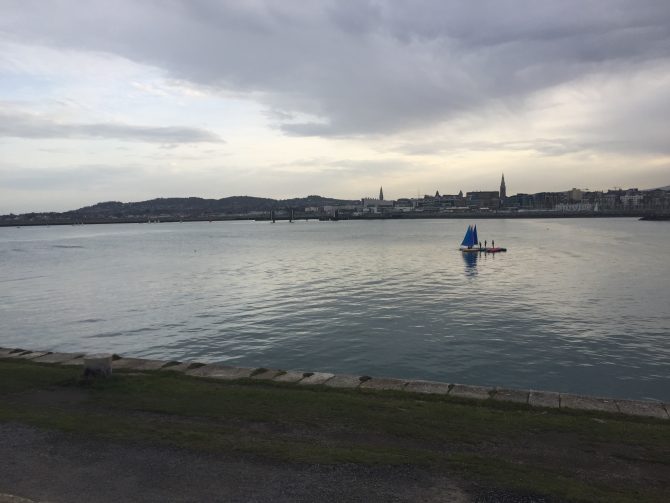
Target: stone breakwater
[{"x": 533, "y": 398}]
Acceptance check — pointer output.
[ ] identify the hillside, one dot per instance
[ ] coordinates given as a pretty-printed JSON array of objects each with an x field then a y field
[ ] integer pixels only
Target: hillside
[{"x": 177, "y": 207}]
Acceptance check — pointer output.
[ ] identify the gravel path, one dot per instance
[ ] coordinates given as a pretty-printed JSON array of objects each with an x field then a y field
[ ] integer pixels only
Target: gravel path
[{"x": 54, "y": 467}]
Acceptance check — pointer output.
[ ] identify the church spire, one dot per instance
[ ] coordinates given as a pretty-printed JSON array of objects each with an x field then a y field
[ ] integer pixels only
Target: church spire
[
  {"x": 381, "y": 194},
  {"x": 503, "y": 189}
]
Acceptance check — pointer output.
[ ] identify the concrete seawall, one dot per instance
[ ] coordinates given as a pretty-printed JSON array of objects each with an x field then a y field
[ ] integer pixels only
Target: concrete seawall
[{"x": 533, "y": 398}]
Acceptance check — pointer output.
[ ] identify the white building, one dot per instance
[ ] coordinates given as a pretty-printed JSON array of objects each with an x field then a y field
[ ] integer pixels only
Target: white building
[
  {"x": 373, "y": 205},
  {"x": 633, "y": 200},
  {"x": 574, "y": 207}
]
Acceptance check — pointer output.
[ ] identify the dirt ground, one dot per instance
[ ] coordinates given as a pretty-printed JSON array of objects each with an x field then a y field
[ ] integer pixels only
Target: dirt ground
[{"x": 58, "y": 467}]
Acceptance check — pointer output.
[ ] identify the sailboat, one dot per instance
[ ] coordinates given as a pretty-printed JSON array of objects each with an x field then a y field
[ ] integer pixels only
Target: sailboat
[{"x": 470, "y": 242}]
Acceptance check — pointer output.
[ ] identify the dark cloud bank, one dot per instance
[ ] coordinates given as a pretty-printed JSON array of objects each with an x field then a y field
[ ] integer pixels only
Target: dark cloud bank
[{"x": 357, "y": 67}]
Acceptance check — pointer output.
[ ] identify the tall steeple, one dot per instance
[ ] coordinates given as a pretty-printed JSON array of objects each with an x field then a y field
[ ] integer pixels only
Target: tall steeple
[
  {"x": 503, "y": 189},
  {"x": 381, "y": 194}
]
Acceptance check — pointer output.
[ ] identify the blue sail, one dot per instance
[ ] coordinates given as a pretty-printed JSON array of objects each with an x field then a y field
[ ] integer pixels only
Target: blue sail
[
  {"x": 474, "y": 237},
  {"x": 468, "y": 240},
  {"x": 468, "y": 237}
]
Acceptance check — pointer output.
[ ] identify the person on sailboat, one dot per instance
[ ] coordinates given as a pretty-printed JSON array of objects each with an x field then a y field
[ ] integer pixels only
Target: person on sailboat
[{"x": 493, "y": 243}]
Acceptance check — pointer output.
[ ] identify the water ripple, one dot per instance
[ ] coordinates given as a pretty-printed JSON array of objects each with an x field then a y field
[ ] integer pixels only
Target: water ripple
[{"x": 575, "y": 306}]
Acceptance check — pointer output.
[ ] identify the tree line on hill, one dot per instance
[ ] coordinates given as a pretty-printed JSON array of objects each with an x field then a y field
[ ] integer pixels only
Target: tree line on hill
[{"x": 174, "y": 207}]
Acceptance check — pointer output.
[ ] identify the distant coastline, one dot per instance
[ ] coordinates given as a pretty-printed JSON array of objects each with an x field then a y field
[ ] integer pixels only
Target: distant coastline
[
  {"x": 652, "y": 205},
  {"x": 302, "y": 217}
]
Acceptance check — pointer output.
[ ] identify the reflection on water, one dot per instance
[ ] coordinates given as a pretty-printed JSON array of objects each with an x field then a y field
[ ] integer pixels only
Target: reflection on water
[
  {"x": 470, "y": 260},
  {"x": 387, "y": 298}
]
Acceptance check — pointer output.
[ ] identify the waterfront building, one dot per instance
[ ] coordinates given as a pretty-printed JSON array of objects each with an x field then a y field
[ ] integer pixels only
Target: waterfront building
[
  {"x": 612, "y": 199},
  {"x": 405, "y": 205},
  {"x": 632, "y": 199},
  {"x": 574, "y": 207},
  {"x": 439, "y": 202},
  {"x": 483, "y": 199},
  {"x": 548, "y": 200},
  {"x": 373, "y": 205},
  {"x": 657, "y": 199},
  {"x": 575, "y": 195},
  {"x": 521, "y": 201},
  {"x": 453, "y": 200}
]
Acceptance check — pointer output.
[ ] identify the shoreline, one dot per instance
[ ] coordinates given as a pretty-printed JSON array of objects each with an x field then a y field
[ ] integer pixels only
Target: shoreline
[
  {"x": 531, "y": 214},
  {"x": 529, "y": 397}
]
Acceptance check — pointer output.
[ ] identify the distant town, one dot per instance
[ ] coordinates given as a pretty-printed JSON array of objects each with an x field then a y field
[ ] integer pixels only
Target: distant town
[
  {"x": 497, "y": 201},
  {"x": 476, "y": 204}
]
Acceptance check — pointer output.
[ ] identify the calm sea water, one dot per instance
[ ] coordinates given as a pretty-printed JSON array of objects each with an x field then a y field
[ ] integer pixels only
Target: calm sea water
[{"x": 574, "y": 305}]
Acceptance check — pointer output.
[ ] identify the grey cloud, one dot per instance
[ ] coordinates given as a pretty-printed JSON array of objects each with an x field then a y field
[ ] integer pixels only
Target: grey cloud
[
  {"x": 85, "y": 177},
  {"x": 362, "y": 68},
  {"x": 365, "y": 167},
  {"x": 543, "y": 146},
  {"x": 23, "y": 125},
  {"x": 645, "y": 142},
  {"x": 372, "y": 166}
]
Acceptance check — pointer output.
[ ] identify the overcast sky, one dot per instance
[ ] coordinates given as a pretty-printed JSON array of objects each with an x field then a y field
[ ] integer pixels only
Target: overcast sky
[{"x": 130, "y": 100}]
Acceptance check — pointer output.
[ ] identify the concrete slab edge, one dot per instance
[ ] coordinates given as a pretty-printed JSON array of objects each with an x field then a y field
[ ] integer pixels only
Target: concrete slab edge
[
  {"x": 10, "y": 498},
  {"x": 531, "y": 398}
]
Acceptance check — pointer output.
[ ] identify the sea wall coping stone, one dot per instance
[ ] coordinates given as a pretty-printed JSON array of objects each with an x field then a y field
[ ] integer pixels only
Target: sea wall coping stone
[
  {"x": 382, "y": 383},
  {"x": 215, "y": 371},
  {"x": 265, "y": 374},
  {"x": 432, "y": 387},
  {"x": 74, "y": 361},
  {"x": 31, "y": 355},
  {"x": 58, "y": 357},
  {"x": 640, "y": 408},
  {"x": 532, "y": 397},
  {"x": 344, "y": 381},
  {"x": 511, "y": 395},
  {"x": 137, "y": 364},
  {"x": 14, "y": 353},
  {"x": 476, "y": 392},
  {"x": 291, "y": 376},
  {"x": 10, "y": 498},
  {"x": 177, "y": 366},
  {"x": 316, "y": 378},
  {"x": 549, "y": 399},
  {"x": 24, "y": 354},
  {"x": 588, "y": 403}
]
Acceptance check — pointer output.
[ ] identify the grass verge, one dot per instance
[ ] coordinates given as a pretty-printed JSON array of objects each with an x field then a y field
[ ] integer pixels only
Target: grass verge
[{"x": 567, "y": 455}]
